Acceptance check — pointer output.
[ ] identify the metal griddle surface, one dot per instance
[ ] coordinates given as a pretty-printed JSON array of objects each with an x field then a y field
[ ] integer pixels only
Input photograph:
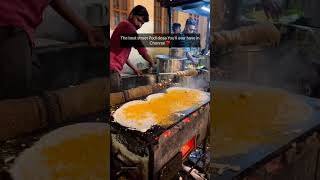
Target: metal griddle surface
[{"x": 150, "y": 136}]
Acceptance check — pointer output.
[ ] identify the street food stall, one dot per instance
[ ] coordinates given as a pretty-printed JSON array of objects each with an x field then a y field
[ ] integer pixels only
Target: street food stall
[
  {"x": 169, "y": 63},
  {"x": 159, "y": 129},
  {"x": 255, "y": 126}
]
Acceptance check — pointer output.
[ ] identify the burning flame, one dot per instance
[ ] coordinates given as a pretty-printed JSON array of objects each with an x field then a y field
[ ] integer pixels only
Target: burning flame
[
  {"x": 187, "y": 147},
  {"x": 187, "y": 120},
  {"x": 167, "y": 134}
]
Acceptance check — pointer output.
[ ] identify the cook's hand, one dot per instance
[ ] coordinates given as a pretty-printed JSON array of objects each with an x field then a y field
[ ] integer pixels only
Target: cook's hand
[
  {"x": 138, "y": 72},
  {"x": 195, "y": 61},
  {"x": 272, "y": 8},
  {"x": 151, "y": 67},
  {"x": 151, "y": 64},
  {"x": 96, "y": 37}
]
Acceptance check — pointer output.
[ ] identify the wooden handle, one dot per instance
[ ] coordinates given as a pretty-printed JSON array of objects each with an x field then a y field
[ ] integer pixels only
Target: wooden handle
[
  {"x": 135, "y": 93},
  {"x": 20, "y": 116}
]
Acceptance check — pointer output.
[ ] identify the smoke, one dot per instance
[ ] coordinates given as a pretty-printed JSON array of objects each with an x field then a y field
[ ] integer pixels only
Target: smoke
[
  {"x": 197, "y": 82},
  {"x": 151, "y": 79},
  {"x": 281, "y": 67}
]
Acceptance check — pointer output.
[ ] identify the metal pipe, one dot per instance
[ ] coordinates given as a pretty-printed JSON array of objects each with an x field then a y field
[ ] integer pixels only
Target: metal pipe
[
  {"x": 167, "y": 73},
  {"x": 208, "y": 36},
  {"x": 170, "y": 19}
]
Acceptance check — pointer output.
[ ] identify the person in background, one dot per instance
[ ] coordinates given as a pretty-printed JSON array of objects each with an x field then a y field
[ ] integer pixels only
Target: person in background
[
  {"x": 176, "y": 31},
  {"x": 119, "y": 56},
  {"x": 18, "y": 22},
  {"x": 189, "y": 29},
  {"x": 176, "y": 28}
]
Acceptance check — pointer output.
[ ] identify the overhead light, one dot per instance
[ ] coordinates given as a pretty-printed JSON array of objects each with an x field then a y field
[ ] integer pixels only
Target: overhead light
[{"x": 205, "y": 8}]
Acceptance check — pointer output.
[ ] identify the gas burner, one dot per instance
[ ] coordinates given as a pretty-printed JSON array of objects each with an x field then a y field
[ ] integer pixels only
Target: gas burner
[{"x": 199, "y": 158}]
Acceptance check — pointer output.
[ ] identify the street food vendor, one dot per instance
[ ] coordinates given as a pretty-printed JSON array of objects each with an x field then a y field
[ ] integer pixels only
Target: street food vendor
[
  {"x": 18, "y": 21},
  {"x": 176, "y": 30},
  {"x": 119, "y": 55},
  {"x": 190, "y": 46}
]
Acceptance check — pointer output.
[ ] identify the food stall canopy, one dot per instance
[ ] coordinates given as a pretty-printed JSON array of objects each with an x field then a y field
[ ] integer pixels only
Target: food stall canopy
[{"x": 198, "y": 7}]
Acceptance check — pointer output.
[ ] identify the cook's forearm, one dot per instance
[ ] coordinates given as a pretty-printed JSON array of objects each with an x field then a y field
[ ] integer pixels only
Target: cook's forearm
[
  {"x": 62, "y": 8},
  {"x": 148, "y": 58},
  {"x": 131, "y": 65},
  {"x": 145, "y": 54},
  {"x": 189, "y": 56}
]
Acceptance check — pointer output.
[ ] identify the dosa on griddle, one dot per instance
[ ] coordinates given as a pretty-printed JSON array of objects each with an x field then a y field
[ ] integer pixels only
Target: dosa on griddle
[
  {"x": 246, "y": 116},
  {"x": 158, "y": 109},
  {"x": 75, "y": 152}
]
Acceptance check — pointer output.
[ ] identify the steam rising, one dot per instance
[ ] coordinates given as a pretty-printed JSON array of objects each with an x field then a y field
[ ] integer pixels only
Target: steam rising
[
  {"x": 197, "y": 82},
  {"x": 282, "y": 67}
]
